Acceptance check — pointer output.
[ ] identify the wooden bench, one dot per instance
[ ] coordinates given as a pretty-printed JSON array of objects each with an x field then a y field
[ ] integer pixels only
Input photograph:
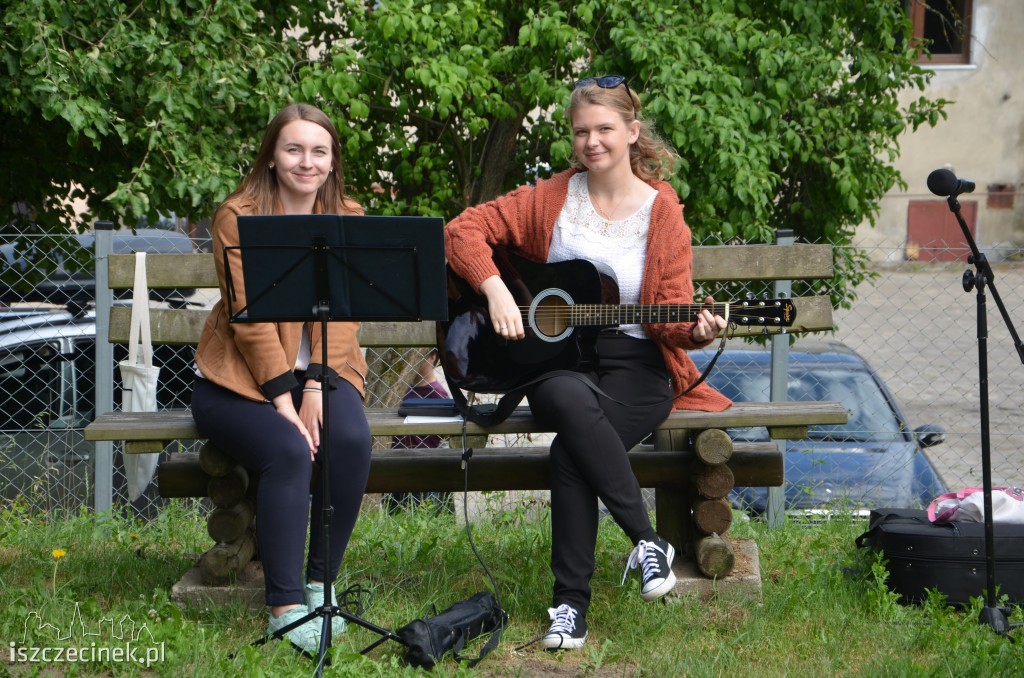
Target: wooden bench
[{"x": 692, "y": 463}]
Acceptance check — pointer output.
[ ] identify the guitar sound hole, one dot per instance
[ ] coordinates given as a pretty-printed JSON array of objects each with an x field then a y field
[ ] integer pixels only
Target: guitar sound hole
[{"x": 550, "y": 318}]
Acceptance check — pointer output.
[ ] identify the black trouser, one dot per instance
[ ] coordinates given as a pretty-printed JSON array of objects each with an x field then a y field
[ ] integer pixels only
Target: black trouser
[
  {"x": 589, "y": 453},
  {"x": 261, "y": 440}
]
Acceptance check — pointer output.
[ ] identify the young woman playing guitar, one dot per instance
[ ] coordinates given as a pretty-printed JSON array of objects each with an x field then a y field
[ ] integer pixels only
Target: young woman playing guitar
[{"x": 614, "y": 209}]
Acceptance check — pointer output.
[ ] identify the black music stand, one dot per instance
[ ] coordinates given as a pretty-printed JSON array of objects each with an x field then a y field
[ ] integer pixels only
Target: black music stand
[
  {"x": 979, "y": 279},
  {"x": 323, "y": 268}
]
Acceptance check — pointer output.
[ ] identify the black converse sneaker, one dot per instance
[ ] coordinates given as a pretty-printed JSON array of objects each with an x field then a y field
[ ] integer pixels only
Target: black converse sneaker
[
  {"x": 654, "y": 558},
  {"x": 568, "y": 629}
]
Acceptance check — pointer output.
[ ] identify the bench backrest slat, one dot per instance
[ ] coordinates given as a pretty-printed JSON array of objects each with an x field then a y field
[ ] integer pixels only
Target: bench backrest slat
[
  {"x": 163, "y": 271},
  {"x": 711, "y": 264}
]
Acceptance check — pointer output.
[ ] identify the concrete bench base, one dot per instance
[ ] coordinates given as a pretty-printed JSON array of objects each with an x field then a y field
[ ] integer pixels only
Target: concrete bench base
[{"x": 744, "y": 582}]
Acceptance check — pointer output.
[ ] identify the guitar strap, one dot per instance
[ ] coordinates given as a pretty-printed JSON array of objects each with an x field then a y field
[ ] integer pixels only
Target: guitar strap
[{"x": 492, "y": 414}]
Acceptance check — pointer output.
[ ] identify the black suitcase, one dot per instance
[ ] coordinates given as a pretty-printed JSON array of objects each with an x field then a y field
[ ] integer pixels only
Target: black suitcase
[{"x": 949, "y": 557}]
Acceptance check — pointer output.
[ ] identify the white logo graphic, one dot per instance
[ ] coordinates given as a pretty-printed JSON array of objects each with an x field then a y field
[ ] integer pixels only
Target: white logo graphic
[{"x": 86, "y": 643}]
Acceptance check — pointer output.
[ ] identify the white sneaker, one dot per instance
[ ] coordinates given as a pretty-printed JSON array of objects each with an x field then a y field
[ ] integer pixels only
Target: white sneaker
[
  {"x": 568, "y": 629},
  {"x": 654, "y": 558}
]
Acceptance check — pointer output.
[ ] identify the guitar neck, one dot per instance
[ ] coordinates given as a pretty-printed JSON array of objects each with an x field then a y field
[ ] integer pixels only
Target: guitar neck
[{"x": 583, "y": 315}]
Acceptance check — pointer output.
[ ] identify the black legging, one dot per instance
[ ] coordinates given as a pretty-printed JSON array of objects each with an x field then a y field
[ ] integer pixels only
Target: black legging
[
  {"x": 263, "y": 441},
  {"x": 589, "y": 453}
]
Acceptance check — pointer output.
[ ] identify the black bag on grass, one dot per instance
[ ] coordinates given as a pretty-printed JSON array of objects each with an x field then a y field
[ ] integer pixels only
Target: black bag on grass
[
  {"x": 948, "y": 557},
  {"x": 428, "y": 639}
]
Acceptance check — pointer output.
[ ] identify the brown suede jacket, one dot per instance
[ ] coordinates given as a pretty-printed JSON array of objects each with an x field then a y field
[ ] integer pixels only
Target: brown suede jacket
[
  {"x": 256, "y": 360},
  {"x": 523, "y": 221}
]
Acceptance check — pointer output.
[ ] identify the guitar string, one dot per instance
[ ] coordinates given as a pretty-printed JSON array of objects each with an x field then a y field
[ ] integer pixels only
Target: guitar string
[
  {"x": 583, "y": 310},
  {"x": 687, "y": 312}
]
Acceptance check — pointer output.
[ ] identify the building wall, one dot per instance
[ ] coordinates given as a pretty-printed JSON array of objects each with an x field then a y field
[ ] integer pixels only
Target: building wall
[{"x": 982, "y": 139}]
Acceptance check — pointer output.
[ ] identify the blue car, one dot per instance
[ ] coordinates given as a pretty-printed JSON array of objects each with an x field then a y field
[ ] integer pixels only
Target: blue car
[{"x": 874, "y": 460}]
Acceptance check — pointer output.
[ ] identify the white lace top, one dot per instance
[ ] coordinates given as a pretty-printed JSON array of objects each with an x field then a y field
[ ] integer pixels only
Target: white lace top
[{"x": 617, "y": 248}]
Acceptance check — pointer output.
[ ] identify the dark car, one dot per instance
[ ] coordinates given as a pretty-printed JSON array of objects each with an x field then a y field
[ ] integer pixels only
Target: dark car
[{"x": 874, "y": 460}]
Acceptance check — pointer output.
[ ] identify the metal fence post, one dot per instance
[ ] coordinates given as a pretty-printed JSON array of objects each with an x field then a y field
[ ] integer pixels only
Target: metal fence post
[
  {"x": 104, "y": 451},
  {"x": 776, "y": 508}
]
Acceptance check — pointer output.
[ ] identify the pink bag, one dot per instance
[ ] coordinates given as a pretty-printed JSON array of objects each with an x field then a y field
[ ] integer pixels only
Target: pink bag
[{"x": 968, "y": 505}]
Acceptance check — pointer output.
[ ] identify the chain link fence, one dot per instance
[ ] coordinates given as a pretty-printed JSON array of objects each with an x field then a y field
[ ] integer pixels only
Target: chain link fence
[
  {"x": 917, "y": 325},
  {"x": 47, "y": 369},
  {"x": 913, "y": 322}
]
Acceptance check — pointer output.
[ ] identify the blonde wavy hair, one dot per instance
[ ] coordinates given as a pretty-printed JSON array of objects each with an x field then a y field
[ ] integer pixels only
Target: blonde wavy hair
[{"x": 650, "y": 157}]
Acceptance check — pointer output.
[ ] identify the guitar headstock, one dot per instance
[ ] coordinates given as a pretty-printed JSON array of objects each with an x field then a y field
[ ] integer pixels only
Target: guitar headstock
[{"x": 763, "y": 312}]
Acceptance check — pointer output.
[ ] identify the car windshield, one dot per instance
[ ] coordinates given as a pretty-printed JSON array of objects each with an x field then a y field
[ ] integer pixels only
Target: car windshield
[{"x": 870, "y": 418}]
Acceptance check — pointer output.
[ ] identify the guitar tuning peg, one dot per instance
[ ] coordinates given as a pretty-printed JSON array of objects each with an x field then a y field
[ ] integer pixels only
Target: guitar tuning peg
[
  {"x": 783, "y": 331},
  {"x": 748, "y": 295},
  {"x": 764, "y": 331}
]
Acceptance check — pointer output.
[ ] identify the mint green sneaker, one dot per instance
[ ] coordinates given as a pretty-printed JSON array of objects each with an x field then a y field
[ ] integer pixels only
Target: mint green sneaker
[
  {"x": 313, "y": 594},
  {"x": 305, "y": 637}
]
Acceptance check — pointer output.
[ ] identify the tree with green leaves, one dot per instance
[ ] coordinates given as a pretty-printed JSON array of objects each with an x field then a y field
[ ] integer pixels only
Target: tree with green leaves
[
  {"x": 785, "y": 114},
  {"x": 129, "y": 110}
]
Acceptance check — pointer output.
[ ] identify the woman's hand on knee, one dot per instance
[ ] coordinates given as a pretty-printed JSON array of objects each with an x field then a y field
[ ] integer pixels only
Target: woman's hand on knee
[
  {"x": 283, "y": 405},
  {"x": 311, "y": 414}
]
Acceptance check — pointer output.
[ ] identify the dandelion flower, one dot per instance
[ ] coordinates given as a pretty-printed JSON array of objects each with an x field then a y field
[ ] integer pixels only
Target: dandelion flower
[{"x": 58, "y": 553}]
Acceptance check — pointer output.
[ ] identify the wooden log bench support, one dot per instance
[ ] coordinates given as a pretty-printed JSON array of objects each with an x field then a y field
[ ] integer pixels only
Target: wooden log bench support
[{"x": 692, "y": 463}]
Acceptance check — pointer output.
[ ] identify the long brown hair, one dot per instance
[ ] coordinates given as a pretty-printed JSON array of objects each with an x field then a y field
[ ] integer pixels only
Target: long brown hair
[
  {"x": 260, "y": 185},
  {"x": 650, "y": 156}
]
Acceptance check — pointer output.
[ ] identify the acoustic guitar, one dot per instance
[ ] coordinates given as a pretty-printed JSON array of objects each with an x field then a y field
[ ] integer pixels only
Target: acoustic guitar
[{"x": 565, "y": 305}]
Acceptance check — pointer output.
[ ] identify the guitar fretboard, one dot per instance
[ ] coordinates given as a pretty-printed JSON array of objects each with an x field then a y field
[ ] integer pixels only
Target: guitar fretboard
[{"x": 628, "y": 314}]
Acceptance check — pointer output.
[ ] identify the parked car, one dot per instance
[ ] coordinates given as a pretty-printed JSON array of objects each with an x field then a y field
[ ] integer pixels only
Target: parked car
[
  {"x": 47, "y": 395},
  {"x": 874, "y": 460},
  {"x": 63, "y": 287},
  {"x": 47, "y": 375}
]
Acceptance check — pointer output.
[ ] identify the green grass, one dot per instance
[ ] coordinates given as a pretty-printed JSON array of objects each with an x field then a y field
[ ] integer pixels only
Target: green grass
[{"x": 824, "y": 610}]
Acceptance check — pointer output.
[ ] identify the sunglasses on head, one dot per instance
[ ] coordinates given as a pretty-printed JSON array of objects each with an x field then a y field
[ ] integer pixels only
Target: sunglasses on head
[{"x": 608, "y": 82}]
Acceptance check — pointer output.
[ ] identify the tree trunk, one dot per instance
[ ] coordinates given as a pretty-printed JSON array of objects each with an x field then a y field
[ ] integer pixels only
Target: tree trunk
[{"x": 496, "y": 159}]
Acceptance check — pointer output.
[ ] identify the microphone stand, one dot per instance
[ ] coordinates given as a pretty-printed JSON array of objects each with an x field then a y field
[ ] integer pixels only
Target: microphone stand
[{"x": 978, "y": 279}]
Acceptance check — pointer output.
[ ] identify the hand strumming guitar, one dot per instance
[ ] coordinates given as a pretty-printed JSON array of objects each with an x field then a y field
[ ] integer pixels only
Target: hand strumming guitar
[{"x": 506, "y": 317}]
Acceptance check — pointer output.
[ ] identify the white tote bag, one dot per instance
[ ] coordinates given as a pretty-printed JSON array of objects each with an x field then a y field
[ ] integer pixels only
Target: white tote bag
[{"x": 139, "y": 379}]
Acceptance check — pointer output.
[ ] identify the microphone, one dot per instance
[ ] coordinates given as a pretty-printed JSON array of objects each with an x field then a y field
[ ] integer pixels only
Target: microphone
[{"x": 944, "y": 182}]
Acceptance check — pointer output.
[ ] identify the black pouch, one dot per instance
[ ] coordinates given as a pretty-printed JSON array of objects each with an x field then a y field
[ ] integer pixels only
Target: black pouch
[
  {"x": 428, "y": 639},
  {"x": 432, "y": 407}
]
